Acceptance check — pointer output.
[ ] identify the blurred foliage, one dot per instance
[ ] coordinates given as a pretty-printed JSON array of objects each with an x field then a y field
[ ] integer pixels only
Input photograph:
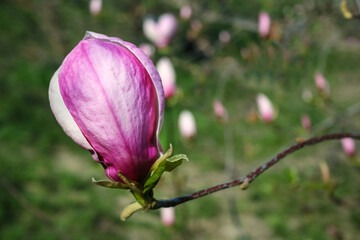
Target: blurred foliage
[{"x": 45, "y": 179}]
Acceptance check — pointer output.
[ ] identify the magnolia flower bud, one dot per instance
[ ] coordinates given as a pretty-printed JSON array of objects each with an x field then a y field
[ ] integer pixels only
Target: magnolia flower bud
[
  {"x": 187, "y": 124},
  {"x": 108, "y": 97},
  {"x": 307, "y": 96},
  {"x": 167, "y": 216},
  {"x": 265, "y": 108},
  {"x": 321, "y": 84},
  {"x": 196, "y": 25},
  {"x": 306, "y": 122},
  {"x": 162, "y": 31},
  {"x": 185, "y": 12},
  {"x": 224, "y": 36},
  {"x": 220, "y": 111},
  {"x": 168, "y": 77},
  {"x": 264, "y": 24},
  {"x": 325, "y": 172},
  {"x": 148, "y": 49},
  {"x": 348, "y": 145},
  {"x": 95, "y": 7}
]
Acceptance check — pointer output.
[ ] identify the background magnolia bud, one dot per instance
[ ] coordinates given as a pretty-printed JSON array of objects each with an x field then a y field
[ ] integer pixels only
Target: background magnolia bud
[
  {"x": 187, "y": 124},
  {"x": 265, "y": 108},
  {"x": 348, "y": 145},
  {"x": 306, "y": 122},
  {"x": 168, "y": 77},
  {"x": 224, "y": 36},
  {"x": 322, "y": 84},
  {"x": 92, "y": 97},
  {"x": 95, "y": 7},
  {"x": 264, "y": 24},
  {"x": 185, "y": 12},
  {"x": 162, "y": 31},
  {"x": 148, "y": 49},
  {"x": 167, "y": 216},
  {"x": 220, "y": 111}
]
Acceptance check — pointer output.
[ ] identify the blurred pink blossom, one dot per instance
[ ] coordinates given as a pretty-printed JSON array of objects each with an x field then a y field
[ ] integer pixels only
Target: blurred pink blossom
[
  {"x": 348, "y": 145},
  {"x": 185, "y": 12},
  {"x": 187, "y": 124},
  {"x": 168, "y": 77},
  {"x": 162, "y": 31},
  {"x": 264, "y": 24},
  {"x": 306, "y": 122},
  {"x": 148, "y": 49},
  {"x": 167, "y": 216},
  {"x": 220, "y": 111},
  {"x": 95, "y": 7},
  {"x": 224, "y": 36},
  {"x": 265, "y": 108},
  {"x": 321, "y": 83}
]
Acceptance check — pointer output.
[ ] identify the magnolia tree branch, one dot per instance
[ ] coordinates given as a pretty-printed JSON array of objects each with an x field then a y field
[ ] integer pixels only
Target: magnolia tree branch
[{"x": 246, "y": 180}]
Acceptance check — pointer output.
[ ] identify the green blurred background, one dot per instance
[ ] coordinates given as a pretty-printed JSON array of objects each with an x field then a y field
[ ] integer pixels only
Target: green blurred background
[{"x": 45, "y": 178}]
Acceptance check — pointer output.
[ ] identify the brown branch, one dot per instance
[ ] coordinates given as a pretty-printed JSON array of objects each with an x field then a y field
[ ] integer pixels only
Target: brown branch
[{"x": 244, "y": 181}]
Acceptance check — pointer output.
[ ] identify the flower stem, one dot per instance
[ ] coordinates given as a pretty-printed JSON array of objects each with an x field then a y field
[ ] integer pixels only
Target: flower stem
[{"x": 246, "y": 180}]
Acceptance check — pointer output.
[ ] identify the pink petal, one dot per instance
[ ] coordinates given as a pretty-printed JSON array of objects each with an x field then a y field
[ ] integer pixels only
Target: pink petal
[
  {"x": 64, "y": 117},
  {"x": 167, "y": 216},
  {"x": 168, "y": 77},
  {"x": 114, "y": 94},
  {"x": 162, "y": 31},
  {"x": 95, "y": 7},
  {"x": 265, "y": 107},
  {"x": 187, "y": 124},
  {"x": 220, "y": 111},
  {"x": 224, "y": 36},
  {"x": 264, "y": 24},
  {"x": 185, "y": 12},
  {"x": 150, "y": 68},
  {"x": 306, "y": 122},
  {"x": 348, "y": 144}
]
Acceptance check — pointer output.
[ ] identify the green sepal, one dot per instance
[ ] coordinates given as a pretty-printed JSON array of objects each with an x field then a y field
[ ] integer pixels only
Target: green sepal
[
  {"x": 163, "y": 164},
  {"x": 175, "y": 161},
  {"x": 139, "y": 198},
  {"x": 161, "y": 159},
  {"x": 130, "y": 210},
  {"x": 108, "y": 184}
]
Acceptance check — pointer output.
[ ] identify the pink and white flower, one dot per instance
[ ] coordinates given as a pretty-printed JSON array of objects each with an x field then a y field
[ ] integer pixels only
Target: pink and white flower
[
  {"x": 185, "y": 12},
  {"x": 348, "y": 145},
  {"x": 321, "y": 83},
  {"x": 168, "y": 76},
  {"x": 162, "y": 31},
  {"x": 148, "y": 49},
  {"x": 264, "y": 24},
  {"x": 265, "y": 108},
  {"x": 220, "y": 111},
  {"x": 95, "y": 7},
  {"x": 306, "y": 122},
  {"x": 224, "y": 36},
  {"x": 187, "y": 124},
  {"x": 167, "y": 216},
  {"x": 108, "y": 97}
]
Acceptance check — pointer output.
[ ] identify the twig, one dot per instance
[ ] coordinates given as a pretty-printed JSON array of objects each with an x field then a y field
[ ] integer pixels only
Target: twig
[{"x": 246, "y": 180}]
